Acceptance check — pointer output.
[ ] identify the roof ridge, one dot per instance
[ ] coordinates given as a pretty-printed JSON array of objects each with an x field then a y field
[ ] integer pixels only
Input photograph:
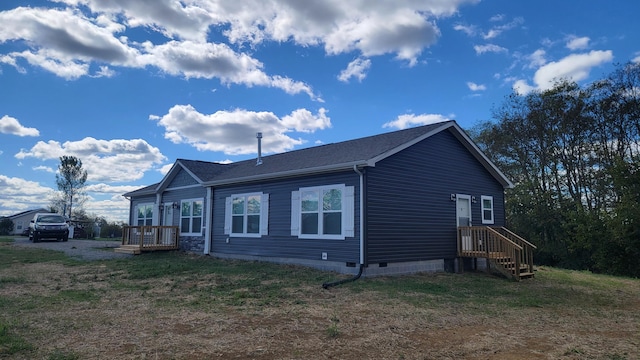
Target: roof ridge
[{"x": 360, "y": 139}]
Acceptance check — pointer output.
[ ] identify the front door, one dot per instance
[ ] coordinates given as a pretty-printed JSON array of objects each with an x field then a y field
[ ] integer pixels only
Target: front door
[
  {"x": 463, "y": 216},
  {"x": 167, "y": 220}
]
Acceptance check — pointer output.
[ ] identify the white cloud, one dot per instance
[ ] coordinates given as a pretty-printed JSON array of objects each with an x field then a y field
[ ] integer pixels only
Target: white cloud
[
  {"x": 61, "y": 41},
  {"x": 403, "y": 27},
  {"x": 65, "y": 43},
  {"x": 164, "y": 170},
  {"x": 497, "y": 17},
  {"x": 110, "y": 189},
  {"x": 577, "y": 43},
  {"x": 45, "y": 169},
  {"x": 67, "y": 69},
  {"x": 489, "y": 48},
  {"x": 80, "y": 32},
  {"x": 105, "y": 72},
  {"x": 575, "y": 67},
  {"x": 470, "y": 30},
  {"x": 114, "y": 208},
  {"x": 207, "y": 60},
  {"x": 407, "y": 120},
  {"x": 105, "y": 160},
  {"x": 11, "y": 126},
  {"x": 636, "y": 59},
  {"x": 174, "y": 19},
  {"x": 302, "y": 120},
  {"x": 497, "y": 30},
  {"x": 476, "y": 87},
  {"x": 18, "y": 194},
  {"x": 357, "y": 69},
  {"x": 537, "y": 59},
  {"x": 522, "y": 87},
  {"x": 233, "y": 132}
]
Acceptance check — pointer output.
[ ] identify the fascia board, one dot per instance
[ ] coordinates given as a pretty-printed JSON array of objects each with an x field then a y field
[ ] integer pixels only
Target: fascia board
[{"x": 141, "y": 192}]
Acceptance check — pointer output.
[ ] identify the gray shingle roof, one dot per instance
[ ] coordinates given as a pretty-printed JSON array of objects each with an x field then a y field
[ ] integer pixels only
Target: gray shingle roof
[
  {"x": 204, "y": 170},
  {"x": 147, "y": 190},
  {"x": 329, "y": 157},
  {"x": 322, "y": 158}
]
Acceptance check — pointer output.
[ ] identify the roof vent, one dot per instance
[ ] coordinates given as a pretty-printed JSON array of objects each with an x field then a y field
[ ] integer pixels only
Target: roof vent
[{"x": 259, "y": 137}]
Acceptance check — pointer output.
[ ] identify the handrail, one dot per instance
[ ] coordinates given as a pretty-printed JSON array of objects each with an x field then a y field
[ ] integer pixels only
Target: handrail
[
  {"x": 486, "y": 242},
  {"x": 151, "y": 237},
  {"x": 526, "y": 256},
  {"x": 518, "y": 237},
  {"x": 504, "y": 238}
]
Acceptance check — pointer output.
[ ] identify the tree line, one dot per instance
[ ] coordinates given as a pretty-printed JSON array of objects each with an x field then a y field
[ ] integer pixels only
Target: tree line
[{"x": 573, "y": 153}]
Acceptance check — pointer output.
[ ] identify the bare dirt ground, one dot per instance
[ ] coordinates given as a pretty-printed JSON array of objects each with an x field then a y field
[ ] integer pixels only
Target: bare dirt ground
[
  {"x": 97, "y": 312},
  {"x": 76, "y": 248}
]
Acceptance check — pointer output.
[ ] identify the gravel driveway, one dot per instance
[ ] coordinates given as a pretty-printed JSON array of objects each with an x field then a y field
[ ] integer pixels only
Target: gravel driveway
[{"x": 77, "y": 248}]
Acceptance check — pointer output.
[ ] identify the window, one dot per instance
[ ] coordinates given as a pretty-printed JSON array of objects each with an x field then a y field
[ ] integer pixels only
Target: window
[
  {"x": 325, "y": 212},
  {"x": 247, "y": 215},
  {"x": 191, "y": 217},
  {"x": 487, "y": 209},
  {"x": 145, "y": 215}
]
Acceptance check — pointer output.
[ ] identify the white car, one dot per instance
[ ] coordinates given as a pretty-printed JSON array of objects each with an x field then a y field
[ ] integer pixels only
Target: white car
[{"x": 48, "y": 226}]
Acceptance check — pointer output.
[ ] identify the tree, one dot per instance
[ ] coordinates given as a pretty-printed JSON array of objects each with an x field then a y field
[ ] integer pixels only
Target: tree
[
  {"x": 573, "y": 154},
  {"x": 70, "y": 179},
  {"x": 6, "y": 226}
]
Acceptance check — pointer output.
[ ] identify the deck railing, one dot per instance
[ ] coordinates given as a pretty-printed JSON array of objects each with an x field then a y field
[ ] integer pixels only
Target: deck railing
[
  {"x": 489, "y": 243},
  {"x": 526, "y": 256},
  {"x": 151, "y": 237}
]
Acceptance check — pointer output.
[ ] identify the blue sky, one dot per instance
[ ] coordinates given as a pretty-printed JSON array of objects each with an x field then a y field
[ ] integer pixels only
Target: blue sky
[{"x": 130, "y": 86}]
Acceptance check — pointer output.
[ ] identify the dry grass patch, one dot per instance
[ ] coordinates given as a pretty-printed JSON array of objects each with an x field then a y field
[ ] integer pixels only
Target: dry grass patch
[{"x": 177, "y": 306}]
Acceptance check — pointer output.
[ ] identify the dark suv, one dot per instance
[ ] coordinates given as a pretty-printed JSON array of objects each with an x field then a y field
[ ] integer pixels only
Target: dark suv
[{"x": 45, "y": 226}]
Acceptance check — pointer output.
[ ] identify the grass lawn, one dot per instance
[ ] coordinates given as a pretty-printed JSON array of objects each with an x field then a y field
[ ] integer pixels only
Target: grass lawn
[{"x": 181, "y": 306}]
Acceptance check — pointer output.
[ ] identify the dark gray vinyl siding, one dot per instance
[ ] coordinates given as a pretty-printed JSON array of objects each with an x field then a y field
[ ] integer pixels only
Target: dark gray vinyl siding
[
  {"x": 279, "y": 242},
  {"x": 410, "y": 214}
]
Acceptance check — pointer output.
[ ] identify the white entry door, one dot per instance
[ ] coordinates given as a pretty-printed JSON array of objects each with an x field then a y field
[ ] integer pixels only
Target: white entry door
[
  {"x": 463, "y": 215},
  {"x": 167, "y": 220}
]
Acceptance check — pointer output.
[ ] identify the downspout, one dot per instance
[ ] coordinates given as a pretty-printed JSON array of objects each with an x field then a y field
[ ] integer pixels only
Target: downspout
[
  {"x": 209, "y": 225},
  {"x": 359, "y": 274}
]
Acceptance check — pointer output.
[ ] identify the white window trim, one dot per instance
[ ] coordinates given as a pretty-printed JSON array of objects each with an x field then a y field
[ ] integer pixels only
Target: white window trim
[
  {"x": 482, "y": 209},
  {"x": 348, "y": 208},
  {"x": 137, "y": 208},
  {"x": 264, "y": 215},
  {"x": 180, "y": 217}
]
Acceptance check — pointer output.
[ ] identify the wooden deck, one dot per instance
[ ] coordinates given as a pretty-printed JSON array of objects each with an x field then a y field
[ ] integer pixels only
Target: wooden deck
[
  {"x": 509, "y": 254},
  {"x": 138, "y": 239}
]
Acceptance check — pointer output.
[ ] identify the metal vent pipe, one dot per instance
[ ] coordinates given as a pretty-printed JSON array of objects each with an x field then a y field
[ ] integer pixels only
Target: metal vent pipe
[{"x": 259, "y": 137}]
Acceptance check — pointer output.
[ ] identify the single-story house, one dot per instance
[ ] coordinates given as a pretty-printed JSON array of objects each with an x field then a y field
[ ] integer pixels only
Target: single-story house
[
  {"x": 389, "y": 203},
  {"x": 21, "y": 220}
]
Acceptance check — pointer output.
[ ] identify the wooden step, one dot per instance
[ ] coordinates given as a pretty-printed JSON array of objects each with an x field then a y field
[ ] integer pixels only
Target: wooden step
[
  {"x": 526, "y": 275},
  {"x": 128, "y": 249}
]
